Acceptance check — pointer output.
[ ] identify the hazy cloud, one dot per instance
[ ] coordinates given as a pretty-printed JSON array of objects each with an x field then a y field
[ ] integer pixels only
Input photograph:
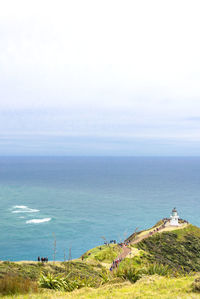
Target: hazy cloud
[
  {"x": 104, "y": 73},
  {"x": 193, "y": 118}
]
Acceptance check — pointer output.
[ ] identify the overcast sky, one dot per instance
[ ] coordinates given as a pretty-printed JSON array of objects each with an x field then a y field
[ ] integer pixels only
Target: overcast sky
[{"x": 99, "y": 77}]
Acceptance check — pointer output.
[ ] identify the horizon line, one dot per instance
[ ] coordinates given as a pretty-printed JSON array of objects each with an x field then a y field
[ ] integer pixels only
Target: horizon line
[{"x": 100, "y": 156}]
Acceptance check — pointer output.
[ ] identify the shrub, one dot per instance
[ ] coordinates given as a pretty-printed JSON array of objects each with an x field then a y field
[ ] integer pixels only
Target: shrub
[
  {"x": 108, "y": 253},
  {"x": 51, "y": 281},
  {"x": 105, "y": 277},
  {"x": 10, "y": 285},
  {"x": 129, "y": 273},
  {"x": 159, "y": 269},
  {"x": 64, "y": 283},
  {"x": 196, "y": 284},
  {"x": 180, "y": 250},
  {"x": 133, "y": 274}
]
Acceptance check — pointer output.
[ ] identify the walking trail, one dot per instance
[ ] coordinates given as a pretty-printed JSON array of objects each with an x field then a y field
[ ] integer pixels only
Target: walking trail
[{"x": 126, "y": 250}]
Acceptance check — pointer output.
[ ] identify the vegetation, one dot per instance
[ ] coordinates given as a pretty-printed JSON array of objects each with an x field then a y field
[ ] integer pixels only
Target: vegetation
[
  {"x": 12, "y": 284},
  {"x": 133, "y": 270},
  {"x": 60, "y": 283},
  {"x": 179, "y": 249},
  {"x": 71, "y": 281},
  {"x": 196, "y": 284},
  {"x": 73, "y": 269},
  {"x": 21, "y": 278},
  {"x": 148, "y": 287},
  {"x": 169, "y": 258},
  {"x": 105, "y": 253}
]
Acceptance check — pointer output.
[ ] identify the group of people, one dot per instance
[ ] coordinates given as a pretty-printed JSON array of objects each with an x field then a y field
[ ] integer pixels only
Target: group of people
[
  {"x": 165, "y": 220},
  {"x": 124, "y": 244},
  {"x": 111, "y": 241},
  {"x": 43, "y": 259},
  {"x": 115, "y": 264},
  {"x": 156, "y": 230}
]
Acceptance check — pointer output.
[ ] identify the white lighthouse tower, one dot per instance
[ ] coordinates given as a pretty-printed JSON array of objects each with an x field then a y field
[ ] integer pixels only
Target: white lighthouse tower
[{"x": 174, "y": 218}]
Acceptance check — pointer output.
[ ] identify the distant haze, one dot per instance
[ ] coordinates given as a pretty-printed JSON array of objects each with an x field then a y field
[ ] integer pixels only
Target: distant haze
[{"x": 99, "y": 77}]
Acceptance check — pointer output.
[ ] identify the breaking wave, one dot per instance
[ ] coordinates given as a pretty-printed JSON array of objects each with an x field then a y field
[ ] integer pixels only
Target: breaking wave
[
  {"x": 20, "y": 207},
  {"x": 38, "y": 220},
  {"x": 23, "y": 209}
]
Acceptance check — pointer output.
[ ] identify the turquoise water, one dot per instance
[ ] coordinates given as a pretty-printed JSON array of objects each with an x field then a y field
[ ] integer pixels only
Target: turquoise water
[{"x": 82, "y": 199}]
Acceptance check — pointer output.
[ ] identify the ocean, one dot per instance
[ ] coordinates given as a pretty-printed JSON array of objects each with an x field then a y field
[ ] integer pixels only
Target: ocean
[{"x": 80, "y": 201}]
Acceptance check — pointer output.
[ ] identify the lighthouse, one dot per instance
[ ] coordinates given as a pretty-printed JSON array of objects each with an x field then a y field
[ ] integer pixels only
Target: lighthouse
[{"x": 174, "y": 218}]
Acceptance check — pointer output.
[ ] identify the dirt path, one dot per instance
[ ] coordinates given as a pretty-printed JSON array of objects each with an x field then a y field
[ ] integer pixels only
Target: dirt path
[
  {"x": 126, "y": 250},
  {"x": 142, "y": 238},
  {"x": 149, "y": 234},
  {"x": 124, "y": 253},
  {"x": 122, "y": 256},
  {"x": 162, "y": 228}
]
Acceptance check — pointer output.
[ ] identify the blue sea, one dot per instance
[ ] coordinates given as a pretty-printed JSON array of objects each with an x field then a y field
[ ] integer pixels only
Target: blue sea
[{"x": 81, "y": 200}]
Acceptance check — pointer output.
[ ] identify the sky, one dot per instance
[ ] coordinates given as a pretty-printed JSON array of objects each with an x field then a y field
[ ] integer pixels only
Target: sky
[{"x": 110, "y": 77}]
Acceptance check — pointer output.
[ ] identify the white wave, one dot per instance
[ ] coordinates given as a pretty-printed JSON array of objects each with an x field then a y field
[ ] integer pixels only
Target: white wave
[
  {"x": 23, "y": 209},
  {"x": 20, "y": 207},
  {"x": 38, "y": 220}
]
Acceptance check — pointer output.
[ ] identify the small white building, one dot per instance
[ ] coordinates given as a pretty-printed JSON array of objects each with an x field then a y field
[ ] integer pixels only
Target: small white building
[{"x": 174, "y": 218}]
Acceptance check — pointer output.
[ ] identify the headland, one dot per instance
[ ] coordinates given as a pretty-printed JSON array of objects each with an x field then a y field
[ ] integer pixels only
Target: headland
[{"x": 140, "y": 267}]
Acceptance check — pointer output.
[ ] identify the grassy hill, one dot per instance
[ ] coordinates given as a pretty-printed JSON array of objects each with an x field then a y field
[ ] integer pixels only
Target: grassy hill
[
  {"x": 167, "y": 258},
  {"x": 105, "y": 254},
  {"x": 147, "y": 288},
  {"x": 179, "y": 249}
]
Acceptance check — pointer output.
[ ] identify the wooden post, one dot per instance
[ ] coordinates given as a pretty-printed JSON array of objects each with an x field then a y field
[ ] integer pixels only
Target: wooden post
[
  {"x": 64, "y": 256},
  {"x": 54, "y": 248},
  {"x": 69, "y": 258}
]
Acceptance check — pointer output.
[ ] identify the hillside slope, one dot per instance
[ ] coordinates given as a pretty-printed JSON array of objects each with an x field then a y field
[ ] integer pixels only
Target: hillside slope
[
  {"x": 180, "y": 249},
  {"x": 146, "y": 288},
  {"x": 162, "y": 264}
]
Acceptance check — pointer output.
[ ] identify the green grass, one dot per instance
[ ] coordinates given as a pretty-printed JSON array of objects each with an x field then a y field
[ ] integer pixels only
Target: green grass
[
  {"x": 26, "y": 270},
  {"x": 26, "y": 277},
  {"x": 147, "y": 288},
  {"x": 103, "y": 253},
  {"x": 180, "y": 249},
  {"x": 12, "y": 284},
  {"x": 188, "y": 230},
  {"x": 160, "y": 267},
  {"x": 33, "y": 270}
]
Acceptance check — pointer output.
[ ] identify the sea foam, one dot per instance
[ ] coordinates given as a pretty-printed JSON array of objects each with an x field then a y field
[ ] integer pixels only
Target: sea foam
[
  {"x": 38, "y": 220},
  {"x": 23, "y": 209},
  {"x": 20, "y": 207}
]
